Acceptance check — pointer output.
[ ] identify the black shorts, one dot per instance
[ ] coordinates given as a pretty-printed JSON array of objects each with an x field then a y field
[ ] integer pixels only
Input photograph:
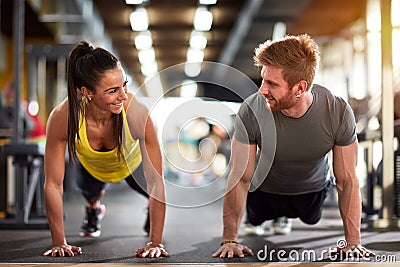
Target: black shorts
[
  {"x": 262, "y": 206},
  {"x": 91, "y": 188}
]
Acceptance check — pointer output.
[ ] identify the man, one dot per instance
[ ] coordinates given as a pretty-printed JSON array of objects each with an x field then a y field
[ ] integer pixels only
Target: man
[{"x": 309, "y": 122}]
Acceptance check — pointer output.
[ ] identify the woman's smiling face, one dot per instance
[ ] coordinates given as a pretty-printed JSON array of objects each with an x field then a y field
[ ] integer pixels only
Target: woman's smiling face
[{"x": 111, "y": 91}]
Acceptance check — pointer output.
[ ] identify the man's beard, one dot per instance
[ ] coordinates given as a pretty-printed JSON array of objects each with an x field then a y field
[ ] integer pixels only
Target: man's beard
[{"x": 287, "y": 102}]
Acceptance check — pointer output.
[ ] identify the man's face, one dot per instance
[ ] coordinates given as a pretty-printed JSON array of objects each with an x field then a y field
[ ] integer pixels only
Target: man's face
[{"x": 274, "y": 88}]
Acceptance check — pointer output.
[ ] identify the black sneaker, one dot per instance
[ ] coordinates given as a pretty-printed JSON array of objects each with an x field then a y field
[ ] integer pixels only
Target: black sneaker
[
  {"x": 146, "y": 226},
  {"x": 91, "y": 224}
]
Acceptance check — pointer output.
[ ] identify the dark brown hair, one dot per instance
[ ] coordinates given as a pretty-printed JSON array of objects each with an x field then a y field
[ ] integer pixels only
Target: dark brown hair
[
  {"x": 86, "y": 65},
  {"x": 298, "y": 56}
]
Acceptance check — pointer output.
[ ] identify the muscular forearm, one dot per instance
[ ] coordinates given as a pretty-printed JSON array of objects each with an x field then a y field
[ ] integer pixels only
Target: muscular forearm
[
  {"x": 54, "y": 210},
  {"x": 234, "y": 205},
  {"x": 350, "y": 210},
  {"x": 157, "y": 206},
  {"x": 157, "y": 218}
]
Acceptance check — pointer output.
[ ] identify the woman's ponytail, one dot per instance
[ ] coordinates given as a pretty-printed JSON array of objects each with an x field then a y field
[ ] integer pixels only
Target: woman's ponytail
[{"x": 74, "y": 83}]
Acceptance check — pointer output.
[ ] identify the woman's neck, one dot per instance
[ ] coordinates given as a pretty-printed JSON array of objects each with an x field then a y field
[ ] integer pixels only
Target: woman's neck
[{"x": 96, "y": 115}]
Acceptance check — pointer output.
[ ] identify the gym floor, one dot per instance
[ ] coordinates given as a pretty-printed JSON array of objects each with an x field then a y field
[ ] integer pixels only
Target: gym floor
[{"x": 191, "y": 236}]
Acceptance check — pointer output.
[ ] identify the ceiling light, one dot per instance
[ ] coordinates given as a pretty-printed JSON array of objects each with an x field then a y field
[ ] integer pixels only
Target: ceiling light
[
  {"x": 143, "y": 40},
  {"x": 134, "y": 2},
  {"x": 149, "y": 69},
  {"x": 139, "y": 19},
  {"x": 198, "y": 40},
  {"x": 207, "y": 2},
  {"x": 188, "y": 88},
  {"x": 33, "y": 108},
  {"x": 192, "y": 69},
  {"x": 146, "y": 56},
  {"x": 202, "y": 19},
  {"x": 279, "y": 30},
  {"x": 194, "y": 55}
]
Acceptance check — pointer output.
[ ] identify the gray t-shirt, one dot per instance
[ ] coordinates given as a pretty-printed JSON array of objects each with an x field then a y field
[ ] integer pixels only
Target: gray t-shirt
[{"x": 300, "y": 162}]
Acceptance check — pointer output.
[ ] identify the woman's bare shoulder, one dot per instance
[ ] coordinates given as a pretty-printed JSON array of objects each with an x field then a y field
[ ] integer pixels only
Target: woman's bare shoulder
[
  {"x": 57, "y": 124},
  {"x": 60, "y": 112}
]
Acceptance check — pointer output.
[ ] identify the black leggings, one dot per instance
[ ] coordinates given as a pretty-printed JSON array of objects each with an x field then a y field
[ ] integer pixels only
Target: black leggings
[
  {"x": 262, "y": 206},
  {"x": 91, "y": 187}
]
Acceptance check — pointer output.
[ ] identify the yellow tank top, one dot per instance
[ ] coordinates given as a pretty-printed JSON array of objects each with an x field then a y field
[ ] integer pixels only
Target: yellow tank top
[{"x": 105, "y": 166}]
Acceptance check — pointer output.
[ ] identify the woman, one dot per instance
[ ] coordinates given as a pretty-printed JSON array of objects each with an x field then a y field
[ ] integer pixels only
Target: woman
[{"x": 110, "y": 137}]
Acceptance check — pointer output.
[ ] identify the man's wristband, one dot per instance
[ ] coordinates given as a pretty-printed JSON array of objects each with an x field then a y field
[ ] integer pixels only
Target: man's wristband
[{"x": 228, "y": 242}]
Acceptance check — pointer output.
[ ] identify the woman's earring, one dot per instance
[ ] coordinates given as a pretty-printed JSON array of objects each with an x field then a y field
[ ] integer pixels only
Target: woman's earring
[
  {"x": 298, "y": 96},
  {"x": 89, "y": 98}
]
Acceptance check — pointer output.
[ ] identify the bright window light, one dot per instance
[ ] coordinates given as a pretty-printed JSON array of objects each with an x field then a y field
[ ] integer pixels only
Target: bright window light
[
  {"x": 194, "y": 55},
  {"x": 143, "y": 40},
  {"x": 373, "y": 16},
  {"x": 147, "y": 55},
  {"x": 192, "y": 69},
  {"x": 374, "y": 63},
  {"x": 139, "y": 19},
  {"x": 396, "y": 52},
  {"x": 149, "y": 69},
  {"x": 188, "y": 88},
  {"x": 395, "y": 13},
  {"x": 198, "y": 40},
  {"x": 207, "y": 2},
  {"x": 202, "y": 19},
  {"x": 134, "y": 2}
]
